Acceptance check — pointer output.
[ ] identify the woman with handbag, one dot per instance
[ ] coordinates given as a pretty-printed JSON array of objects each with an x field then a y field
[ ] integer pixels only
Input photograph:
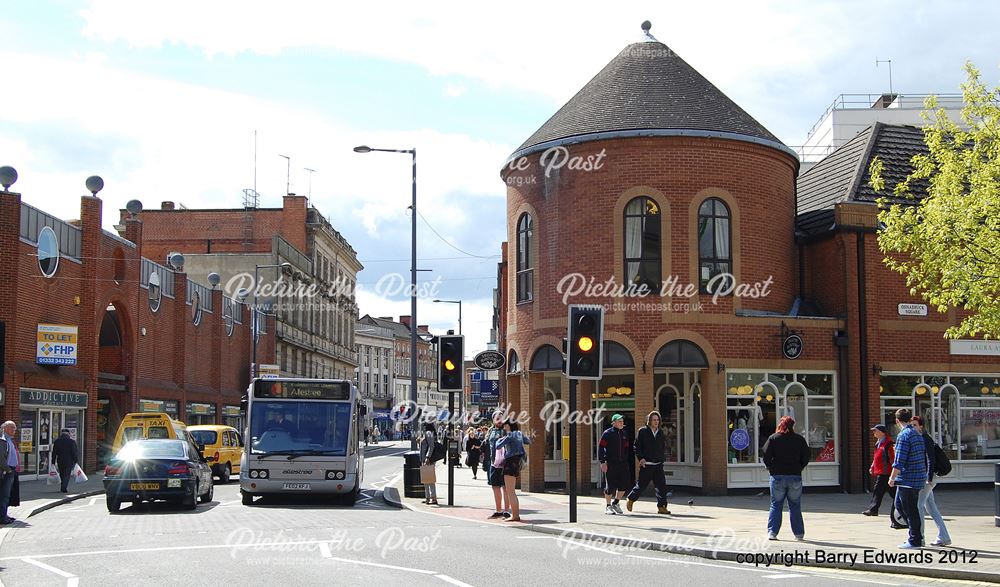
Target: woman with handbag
[
  {"x": 474, "y": 449},
  {"x": 427, "y": 474},
  {"x": 512, "y": 445}
]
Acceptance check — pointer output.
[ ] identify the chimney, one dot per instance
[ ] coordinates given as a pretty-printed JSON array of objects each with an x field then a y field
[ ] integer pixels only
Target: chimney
[
  {"x": 166, "y": 205},
  {"x": 423, "y": 328},
  {"x": 405, "y": 321}
]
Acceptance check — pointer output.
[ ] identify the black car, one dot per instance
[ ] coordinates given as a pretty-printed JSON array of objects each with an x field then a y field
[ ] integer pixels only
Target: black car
[{"x": 161, "y": 469}]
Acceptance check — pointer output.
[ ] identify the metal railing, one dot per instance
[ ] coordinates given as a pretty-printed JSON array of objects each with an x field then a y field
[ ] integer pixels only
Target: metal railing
[
  {"x": 884, "y": 102},
  {"x": 204, "y": 295},
  {"x": 70, "y": 237},
  {"x": 165, "y": 274}
]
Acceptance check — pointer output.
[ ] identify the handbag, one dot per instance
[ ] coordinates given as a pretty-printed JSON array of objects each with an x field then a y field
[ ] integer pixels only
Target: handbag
[
  {"x": 427, "y": 475},
  {"x": 78, "y": 475},
  {"x": 498, "y": 459}
]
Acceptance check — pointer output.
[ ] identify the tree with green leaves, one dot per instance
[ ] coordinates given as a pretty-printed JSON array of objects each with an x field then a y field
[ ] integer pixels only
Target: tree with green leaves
[{"x": 947, "y": 243}]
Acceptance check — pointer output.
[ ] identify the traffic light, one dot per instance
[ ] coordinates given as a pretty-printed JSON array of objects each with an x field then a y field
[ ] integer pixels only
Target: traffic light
[
  {"x": 451, "y": 363},
  {"x": 584, "y": 357}
]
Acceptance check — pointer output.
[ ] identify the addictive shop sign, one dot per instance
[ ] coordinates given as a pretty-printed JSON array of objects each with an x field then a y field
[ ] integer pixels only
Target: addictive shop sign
[{"x": 56, "y": 344}]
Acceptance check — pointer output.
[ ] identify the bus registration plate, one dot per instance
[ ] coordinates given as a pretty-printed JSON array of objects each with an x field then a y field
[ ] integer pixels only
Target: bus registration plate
[{"x": 299, "y": 486}]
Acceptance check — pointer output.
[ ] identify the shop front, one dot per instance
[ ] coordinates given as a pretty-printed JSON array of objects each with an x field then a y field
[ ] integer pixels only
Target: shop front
[
  {"x": 199, "y": 413},
  {"x": 44, "y": 413},
  {"x": 171, "y": 407},
  {"x": 961, "y": 412},
  {"x": 231, "y": 417},
  {"x": 755, "y": 403}
]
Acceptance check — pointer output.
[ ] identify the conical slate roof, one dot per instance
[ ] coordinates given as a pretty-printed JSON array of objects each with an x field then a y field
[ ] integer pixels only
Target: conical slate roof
[{"x": 647, "y": 87}]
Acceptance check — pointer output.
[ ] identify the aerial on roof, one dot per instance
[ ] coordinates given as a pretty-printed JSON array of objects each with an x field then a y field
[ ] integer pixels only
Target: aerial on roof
[
  {"x": 648, "y": 88},
  {"x": 844, "y": 175}
]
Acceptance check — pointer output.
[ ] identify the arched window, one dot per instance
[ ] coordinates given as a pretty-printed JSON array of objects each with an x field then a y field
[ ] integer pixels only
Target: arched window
[
  {"x": 524, "y": 270},
  {"x": 547, "y": 358},
  {"x": 714, "y": 246},
  {"x": 642, "y": 243}
]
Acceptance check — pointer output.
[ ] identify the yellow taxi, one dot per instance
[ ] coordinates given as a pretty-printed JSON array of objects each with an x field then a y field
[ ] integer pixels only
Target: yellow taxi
[
  {"x": 223, "y": 448},
  {"x": 150, "y": 425}
]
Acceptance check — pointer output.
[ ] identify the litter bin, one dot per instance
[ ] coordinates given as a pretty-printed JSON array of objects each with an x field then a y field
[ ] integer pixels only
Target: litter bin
[
  {"x": 996, "y": 497},
  {"x": 412, "y": 487}
]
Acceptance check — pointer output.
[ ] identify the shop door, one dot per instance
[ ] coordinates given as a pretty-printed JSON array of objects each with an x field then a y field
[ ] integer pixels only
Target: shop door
[{"x": 50, "y": 422}]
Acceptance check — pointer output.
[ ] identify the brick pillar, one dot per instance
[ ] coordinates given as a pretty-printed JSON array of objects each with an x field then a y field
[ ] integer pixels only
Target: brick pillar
[
  {"x": 532, "y": 399},
  {"x": 10, "y": 226},
  {"x": 645, "y": 398},
  {"x": 133, "y": 233},
  {"x": 92, "y": 312},
  {"x": 714, "y": 437}
]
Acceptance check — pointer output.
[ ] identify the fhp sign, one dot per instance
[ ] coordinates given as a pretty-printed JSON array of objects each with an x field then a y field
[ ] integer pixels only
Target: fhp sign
[{"x": 56, "y": 344}]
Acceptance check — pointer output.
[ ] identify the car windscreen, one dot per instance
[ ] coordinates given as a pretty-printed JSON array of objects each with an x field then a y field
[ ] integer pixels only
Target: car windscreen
[
  {"x": 152, "y": 450},
  {"x": 205, "y": 437},
  {"x": 299, "y": 426}
]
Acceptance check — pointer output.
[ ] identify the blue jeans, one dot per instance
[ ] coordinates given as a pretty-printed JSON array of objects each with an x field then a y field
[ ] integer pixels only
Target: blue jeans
[
  {"x": 927, "y": 503},
  {"x": 6, "y": 485},
  {"x": 786, "y": 487},
  {"x": 906, "y": 502}
]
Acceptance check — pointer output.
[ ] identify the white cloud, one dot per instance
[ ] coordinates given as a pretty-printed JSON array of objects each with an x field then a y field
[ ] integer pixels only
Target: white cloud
[{"x": 454, "y": 90}]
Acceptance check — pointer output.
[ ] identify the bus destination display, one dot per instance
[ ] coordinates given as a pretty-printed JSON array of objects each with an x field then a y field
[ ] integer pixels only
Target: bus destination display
[{"x": 327, "y": 390}]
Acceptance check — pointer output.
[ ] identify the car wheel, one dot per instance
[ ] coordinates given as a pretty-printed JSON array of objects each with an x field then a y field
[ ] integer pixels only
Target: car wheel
[
  {"x": 227, "y": 472},
  {"x": 114, "y": 503},
  {"x": 208, "y": 494},
  {"x": 247, "y": 497},
  {"x": 191, "y": 500}
]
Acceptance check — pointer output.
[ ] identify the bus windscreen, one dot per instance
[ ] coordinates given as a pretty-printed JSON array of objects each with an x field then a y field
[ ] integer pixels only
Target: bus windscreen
[
  {"x": 325, "y": 390},
  {"x": 290, "y": 427}
]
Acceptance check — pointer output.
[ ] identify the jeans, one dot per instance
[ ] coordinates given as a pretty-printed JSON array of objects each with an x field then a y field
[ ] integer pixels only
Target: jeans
[
  {"x": 906, "y": 502},
  {"x": 786, "y": 487},
  {"x": 927, "y": 503},
  {"x": 6, "y": 485},
  {"x": 64, "y": 475},
  {"x": 430, "y": 491},
  {"x": 878, "y": 492},
  {"x": 652, "y": 473}
]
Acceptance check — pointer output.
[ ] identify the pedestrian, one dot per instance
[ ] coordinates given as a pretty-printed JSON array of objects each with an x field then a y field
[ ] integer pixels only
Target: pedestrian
[
  {"x": 614, "y": 452},
  {"x": 367, "y": 434},
  {"x": 375, "y": 435},
  {"x": 880, "y": 469},
  {"x": 66, "y": 455},
  {"x": 474, "y": 450},
  {"x": 785, "y": 455},
  {"x": 8, "y": 469},
  {"x": 909, "y": 475},
  {"x": 512, "y": 444},
  {"x": 925, "y": 499},
  {"x": 426, "y": 457},
  {"x": 494, "y": 476},
  {"x": 650, "y": 449}
]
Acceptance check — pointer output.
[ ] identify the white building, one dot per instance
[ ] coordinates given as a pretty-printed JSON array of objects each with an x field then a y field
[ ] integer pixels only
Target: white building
[{"x": 374, "y": 374}]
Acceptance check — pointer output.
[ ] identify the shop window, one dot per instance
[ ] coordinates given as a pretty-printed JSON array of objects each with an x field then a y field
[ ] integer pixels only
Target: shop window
[
  {"x": 48, "y": 251},
  {"x": 524, "y": 270},
  {"x": 554, "y": 432},
  {"x": 714, "y": 243},
  {"x": 642, "y": 244}
]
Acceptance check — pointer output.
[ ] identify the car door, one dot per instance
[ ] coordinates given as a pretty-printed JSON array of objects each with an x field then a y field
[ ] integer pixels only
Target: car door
[
  {"x": 228, "y": 445},
  {"x": 203, "y": 471}
]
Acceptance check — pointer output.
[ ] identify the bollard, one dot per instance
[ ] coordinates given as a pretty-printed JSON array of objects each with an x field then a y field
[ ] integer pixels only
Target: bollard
[{"x": 412, "y": 487}]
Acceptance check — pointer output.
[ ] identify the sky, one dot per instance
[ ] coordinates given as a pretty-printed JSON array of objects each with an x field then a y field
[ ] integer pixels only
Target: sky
[{"x": 195, "y": 101}]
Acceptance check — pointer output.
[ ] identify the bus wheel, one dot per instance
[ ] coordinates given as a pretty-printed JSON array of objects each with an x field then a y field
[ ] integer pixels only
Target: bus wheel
[{"x": 247, "y": 497}]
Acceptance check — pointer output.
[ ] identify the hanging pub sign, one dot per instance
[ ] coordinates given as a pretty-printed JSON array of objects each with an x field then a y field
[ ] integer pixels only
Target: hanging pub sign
[
  {"x": 489, "y": 360},
  {"x": 792, "y": 346}
]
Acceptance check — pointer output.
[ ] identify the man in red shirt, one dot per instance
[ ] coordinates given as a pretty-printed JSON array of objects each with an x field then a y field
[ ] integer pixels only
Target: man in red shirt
[{"x": 881, "y": 468}]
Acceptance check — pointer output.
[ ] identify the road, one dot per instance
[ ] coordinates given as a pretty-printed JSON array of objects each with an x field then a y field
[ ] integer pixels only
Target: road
[{"x": 307, "y": 543}]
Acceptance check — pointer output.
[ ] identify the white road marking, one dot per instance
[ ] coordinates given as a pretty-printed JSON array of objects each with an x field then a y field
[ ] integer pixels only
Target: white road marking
[
  {"x": 452, "y": 580},
  {"x": 382, "y": 566},
  {"x": 535, "y": 538},
  {"x": 231, "y": 502},
  {"x": 785, "y": 576},
  {"x": 93, "y": 500},
  {"x": 71, "y": 579}
]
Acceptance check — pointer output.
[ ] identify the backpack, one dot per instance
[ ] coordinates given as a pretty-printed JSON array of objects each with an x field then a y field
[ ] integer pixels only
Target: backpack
[
  {"x": 942, "y": 464},
  {"x": 438, "y": 453}
]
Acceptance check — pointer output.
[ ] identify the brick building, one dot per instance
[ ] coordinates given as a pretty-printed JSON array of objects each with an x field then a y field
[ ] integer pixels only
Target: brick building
[
  {"x": 744, "y": 317},
  {"x": 315, "y": 333},
  {"x": 92, "y": 329}
]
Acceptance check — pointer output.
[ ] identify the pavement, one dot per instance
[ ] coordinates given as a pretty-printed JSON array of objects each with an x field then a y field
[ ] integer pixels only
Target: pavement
[
  {"x": 733, "y": 528},
  {"x": 37, "y": 496}
]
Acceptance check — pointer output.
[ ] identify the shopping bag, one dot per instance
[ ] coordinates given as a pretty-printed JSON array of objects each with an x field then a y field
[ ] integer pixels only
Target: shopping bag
[
  {"x": 427, "y": 475},
  {"x": 78, "y": 475},
  {"x": 53, "y": 478},
  {"x": 499, "y": 457}
]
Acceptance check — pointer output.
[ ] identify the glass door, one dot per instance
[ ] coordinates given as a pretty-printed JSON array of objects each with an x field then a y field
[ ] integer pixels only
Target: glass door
[{"x": 50, "y": 422}]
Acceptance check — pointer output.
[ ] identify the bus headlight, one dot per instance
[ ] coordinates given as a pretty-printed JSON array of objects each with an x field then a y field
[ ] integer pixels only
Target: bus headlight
[
  {"x": 340, "y": 474},
  {"x": 331, "y": 474},
  {"x": 253, "y": 474}
]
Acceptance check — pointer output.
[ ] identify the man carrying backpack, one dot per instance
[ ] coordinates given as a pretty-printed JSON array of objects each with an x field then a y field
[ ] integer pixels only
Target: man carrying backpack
[
  {"x": 925, "y": 499},
  {"x": 880, "y": 469}
]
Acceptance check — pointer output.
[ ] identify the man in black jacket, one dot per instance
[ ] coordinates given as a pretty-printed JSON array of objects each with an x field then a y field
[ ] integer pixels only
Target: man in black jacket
[
  {"x": 785, "y": 455},
  {"x": 650, "y": 448},
  {"x": 65, "y": 455},
  {"x": 614, "y": 452}
]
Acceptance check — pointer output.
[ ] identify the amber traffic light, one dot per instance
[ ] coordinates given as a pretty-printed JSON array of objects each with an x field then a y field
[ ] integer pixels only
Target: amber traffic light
[
  {"x": 451, "y": 363},
  {"x": 585, "y": 330}
]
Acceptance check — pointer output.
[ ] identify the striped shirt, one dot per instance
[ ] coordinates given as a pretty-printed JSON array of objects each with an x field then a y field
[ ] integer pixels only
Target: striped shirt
[{"x": 911, "y": 459}]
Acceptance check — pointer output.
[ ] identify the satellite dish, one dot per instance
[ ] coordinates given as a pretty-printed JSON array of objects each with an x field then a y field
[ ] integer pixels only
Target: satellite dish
[
  {"x": 242, "y": 295},
  {"x": 175, "y": 260},
  {"x": 8, "y": 175},
  {"x": 95, "y": 184},
  {"x": 214, "y": 279},
  {"x": 133, "y": 206}
]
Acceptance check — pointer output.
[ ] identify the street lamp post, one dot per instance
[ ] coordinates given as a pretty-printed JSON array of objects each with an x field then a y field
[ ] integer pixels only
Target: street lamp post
[
  {"x": 413, "y": 277},
  {"x": 461, "y": 396},
  {"x": 255, "y": 327}
]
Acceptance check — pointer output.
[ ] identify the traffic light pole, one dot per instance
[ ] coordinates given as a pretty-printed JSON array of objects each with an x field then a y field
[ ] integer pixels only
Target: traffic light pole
[
  {"x": 451, "y": 463},
  {"x": 572, "y": 452}
]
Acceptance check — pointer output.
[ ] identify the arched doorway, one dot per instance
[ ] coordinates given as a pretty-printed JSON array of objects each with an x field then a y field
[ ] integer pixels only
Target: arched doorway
[
  {"x": 112, "y": 380},
  {"x": 548, "y": 360},
  {"x": 677, "y": 386}
]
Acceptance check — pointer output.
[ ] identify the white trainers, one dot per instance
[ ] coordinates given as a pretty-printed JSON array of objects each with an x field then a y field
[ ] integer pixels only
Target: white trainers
[
  {"x": 940, "y": 542},
  {"x": 772, "y": 536},
  {"x": 618, "y": 509},
  {"x": 609, "y": 511}
]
